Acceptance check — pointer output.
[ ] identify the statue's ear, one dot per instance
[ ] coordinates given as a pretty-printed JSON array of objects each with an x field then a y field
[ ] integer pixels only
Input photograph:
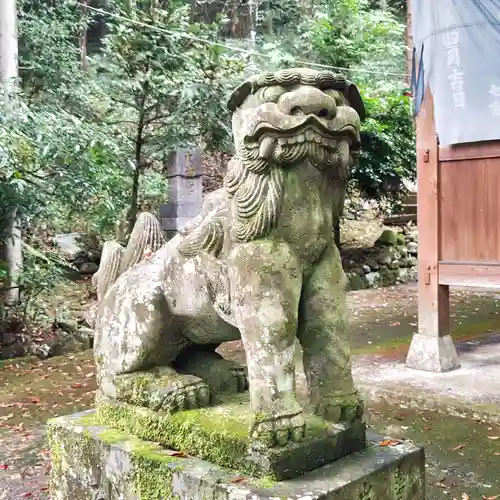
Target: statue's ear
[
  {"x": 239, "y": 95},
  {"x": 355, "y": 101}
]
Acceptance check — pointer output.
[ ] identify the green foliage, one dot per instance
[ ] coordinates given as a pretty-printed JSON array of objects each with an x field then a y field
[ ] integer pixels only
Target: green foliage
[
  {"x": 85, "y": 141},
  {"x": 370, "y": 43},
  {"x": 160, "y": 90},
  {"x": 388, "y": 139}
]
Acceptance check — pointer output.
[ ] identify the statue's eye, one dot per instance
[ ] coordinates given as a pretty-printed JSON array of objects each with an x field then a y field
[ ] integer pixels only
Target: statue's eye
[{"x": 270, "y": 94}]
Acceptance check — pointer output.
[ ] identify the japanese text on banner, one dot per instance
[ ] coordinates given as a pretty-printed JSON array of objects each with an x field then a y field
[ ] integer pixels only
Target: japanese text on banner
[{"x": 455, "y": 76}]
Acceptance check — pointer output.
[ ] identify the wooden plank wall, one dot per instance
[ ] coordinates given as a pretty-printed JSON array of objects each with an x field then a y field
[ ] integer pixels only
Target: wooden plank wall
[{"x": 470, "y": 202}]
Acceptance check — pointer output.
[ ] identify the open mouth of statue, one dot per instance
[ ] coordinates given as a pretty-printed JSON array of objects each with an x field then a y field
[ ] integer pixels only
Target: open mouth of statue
[{"x": 311, "y": 131}]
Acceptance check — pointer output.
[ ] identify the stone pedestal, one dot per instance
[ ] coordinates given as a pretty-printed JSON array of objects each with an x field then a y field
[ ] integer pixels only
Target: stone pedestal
[
  {"x": 219, "y": 434},
  {"x": 432, "y": 354},
  {"x": 96, "y": 462},
  {"x": 185, "y": 190}
]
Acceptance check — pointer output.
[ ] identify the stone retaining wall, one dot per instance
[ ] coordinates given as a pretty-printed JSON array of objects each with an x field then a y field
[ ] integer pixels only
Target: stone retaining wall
[{"x": 392, "y": 260}]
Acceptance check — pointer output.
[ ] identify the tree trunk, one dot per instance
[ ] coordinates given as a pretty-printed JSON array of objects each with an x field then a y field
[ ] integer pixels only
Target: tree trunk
[
  {"x": 13, "y": 245},
  {"x": 139, "y": 142},
  {"x": 83, "y": 39},
  {"x": 132, "y": 211}
]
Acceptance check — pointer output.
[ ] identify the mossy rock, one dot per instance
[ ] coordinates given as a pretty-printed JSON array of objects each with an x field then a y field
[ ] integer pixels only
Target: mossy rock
[
  {"x": 400, "y": 239},
  {"x": 389, "y": 277},
  {"x": 387, "y": 238},
  {"x": 356, "y": 282}
]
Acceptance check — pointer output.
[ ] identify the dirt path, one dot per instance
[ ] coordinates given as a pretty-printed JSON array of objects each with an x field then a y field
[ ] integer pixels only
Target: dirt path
[{"x": 463, "y": 456}]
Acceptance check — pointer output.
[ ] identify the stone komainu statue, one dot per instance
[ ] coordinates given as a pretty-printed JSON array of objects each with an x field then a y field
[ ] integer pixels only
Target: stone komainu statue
[{"x": 259, "y": 263}]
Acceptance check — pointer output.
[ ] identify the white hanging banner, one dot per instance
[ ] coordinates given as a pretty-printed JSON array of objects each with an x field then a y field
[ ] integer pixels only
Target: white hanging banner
[{"x": 457, "y": 44}]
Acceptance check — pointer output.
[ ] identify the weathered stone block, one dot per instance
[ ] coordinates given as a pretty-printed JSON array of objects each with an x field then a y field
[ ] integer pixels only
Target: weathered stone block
[
  {"x": 97, "y": 462},
  {"x": 220, "y": 434}
]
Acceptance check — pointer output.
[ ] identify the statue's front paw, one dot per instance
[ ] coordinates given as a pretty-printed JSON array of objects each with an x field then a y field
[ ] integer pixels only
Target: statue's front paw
[
  {"x": 273, "y": 430},
  {"x": 241, "y": 375},
  {"x": 340, "y": 409},
  {"x": 163, "y": 389},
  {"x": 177, "y": 397}
]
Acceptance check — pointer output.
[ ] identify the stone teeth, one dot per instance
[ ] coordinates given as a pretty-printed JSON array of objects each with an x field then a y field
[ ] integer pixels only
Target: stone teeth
[
  {"x": 301, "y": 138},
  {"x": 266, "y": 147},
  {"x": 309, "y": 135}
]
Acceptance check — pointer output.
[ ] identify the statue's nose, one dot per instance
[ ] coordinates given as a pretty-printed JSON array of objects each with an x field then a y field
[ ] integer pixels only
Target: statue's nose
[{"x": 308, "y": 101}]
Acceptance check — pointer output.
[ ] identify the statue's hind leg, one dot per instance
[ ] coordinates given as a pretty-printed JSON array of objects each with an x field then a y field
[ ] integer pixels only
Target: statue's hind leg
[
  {"x": 136, "y": 343},
  {"x": 324, "y": 338}
]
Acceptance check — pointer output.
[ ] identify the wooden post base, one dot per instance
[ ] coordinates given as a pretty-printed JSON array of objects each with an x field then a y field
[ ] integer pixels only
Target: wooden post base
[{"x": 432, "y": 354}]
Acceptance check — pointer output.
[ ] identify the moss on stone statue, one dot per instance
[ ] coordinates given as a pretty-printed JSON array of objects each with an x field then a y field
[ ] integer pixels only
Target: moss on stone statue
[
  {"x": 220, "y": 435},
  {"x": 199, "y": 431}
]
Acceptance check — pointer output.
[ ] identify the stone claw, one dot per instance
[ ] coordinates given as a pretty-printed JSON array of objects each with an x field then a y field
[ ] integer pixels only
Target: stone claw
[
  {"x": 298, "y": 428},
  {"x": 164, "y": 389},
  {"x": 186, "y": 398},
  {"x": 341, "y": 409},
  {"x": 241, "y": 376},
  {"x": 280, "y": 431}
]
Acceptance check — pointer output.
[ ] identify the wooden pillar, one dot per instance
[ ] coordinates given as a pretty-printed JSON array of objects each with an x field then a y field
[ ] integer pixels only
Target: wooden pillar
[{"x": 432, "y": 348}]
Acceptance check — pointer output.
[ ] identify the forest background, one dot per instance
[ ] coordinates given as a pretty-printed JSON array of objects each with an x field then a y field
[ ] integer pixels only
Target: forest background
[{"x": 107, "y": 89}]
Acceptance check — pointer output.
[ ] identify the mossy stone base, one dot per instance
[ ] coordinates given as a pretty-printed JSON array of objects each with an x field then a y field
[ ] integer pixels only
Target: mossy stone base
[
  {"x": 92, "y": 462},
  {"x": 219, "y": 434}
]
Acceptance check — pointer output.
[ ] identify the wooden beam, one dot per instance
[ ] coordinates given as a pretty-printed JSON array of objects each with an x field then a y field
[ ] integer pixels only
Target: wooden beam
[
  {"x": 474, "y": 274},
  {"x": 470, "y": 151}
]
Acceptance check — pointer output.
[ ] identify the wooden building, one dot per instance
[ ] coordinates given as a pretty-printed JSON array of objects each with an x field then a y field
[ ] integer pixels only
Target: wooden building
[{"x": 458, "y": 184}]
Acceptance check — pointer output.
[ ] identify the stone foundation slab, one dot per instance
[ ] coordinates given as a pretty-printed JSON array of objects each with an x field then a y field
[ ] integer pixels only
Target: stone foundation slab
[
  {"x": 219, "y": 434},
  {"x": 432, "y": 354},
  {"x": 93, "y": 462}
]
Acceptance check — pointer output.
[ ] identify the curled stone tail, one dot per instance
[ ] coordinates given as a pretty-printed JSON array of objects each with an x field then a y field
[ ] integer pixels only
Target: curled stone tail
[{"x": 147, "y": 235}]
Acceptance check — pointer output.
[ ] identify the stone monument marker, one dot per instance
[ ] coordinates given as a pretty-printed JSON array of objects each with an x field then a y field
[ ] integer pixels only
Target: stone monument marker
[
  {"x": 185, "y": 190},
  {"x": 173, "y": 418}
]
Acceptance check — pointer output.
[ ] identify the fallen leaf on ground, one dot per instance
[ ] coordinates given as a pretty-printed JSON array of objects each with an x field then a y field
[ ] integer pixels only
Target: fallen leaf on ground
[
  {"x": 494, "y": 497},
  {"x": 238, "y": 479},
  {"x": 493, "y": 438},
  {"x": 10, "y": 415},
  {"x": 35, "y": 400},
  {"x": 459, "y": 447},
  {"x": 465, "y": 496},
  {"x": 390, "y": 442},
  {"x": 442, "y": 485},
  {"x": 4, "y": 466},
  {"x": 179, "y": 454},
  {"x": 77, "y": 385}
]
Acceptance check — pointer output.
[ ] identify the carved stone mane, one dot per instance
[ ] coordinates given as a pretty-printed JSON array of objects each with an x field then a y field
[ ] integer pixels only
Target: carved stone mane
[{"x": 257, "y": 189}]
